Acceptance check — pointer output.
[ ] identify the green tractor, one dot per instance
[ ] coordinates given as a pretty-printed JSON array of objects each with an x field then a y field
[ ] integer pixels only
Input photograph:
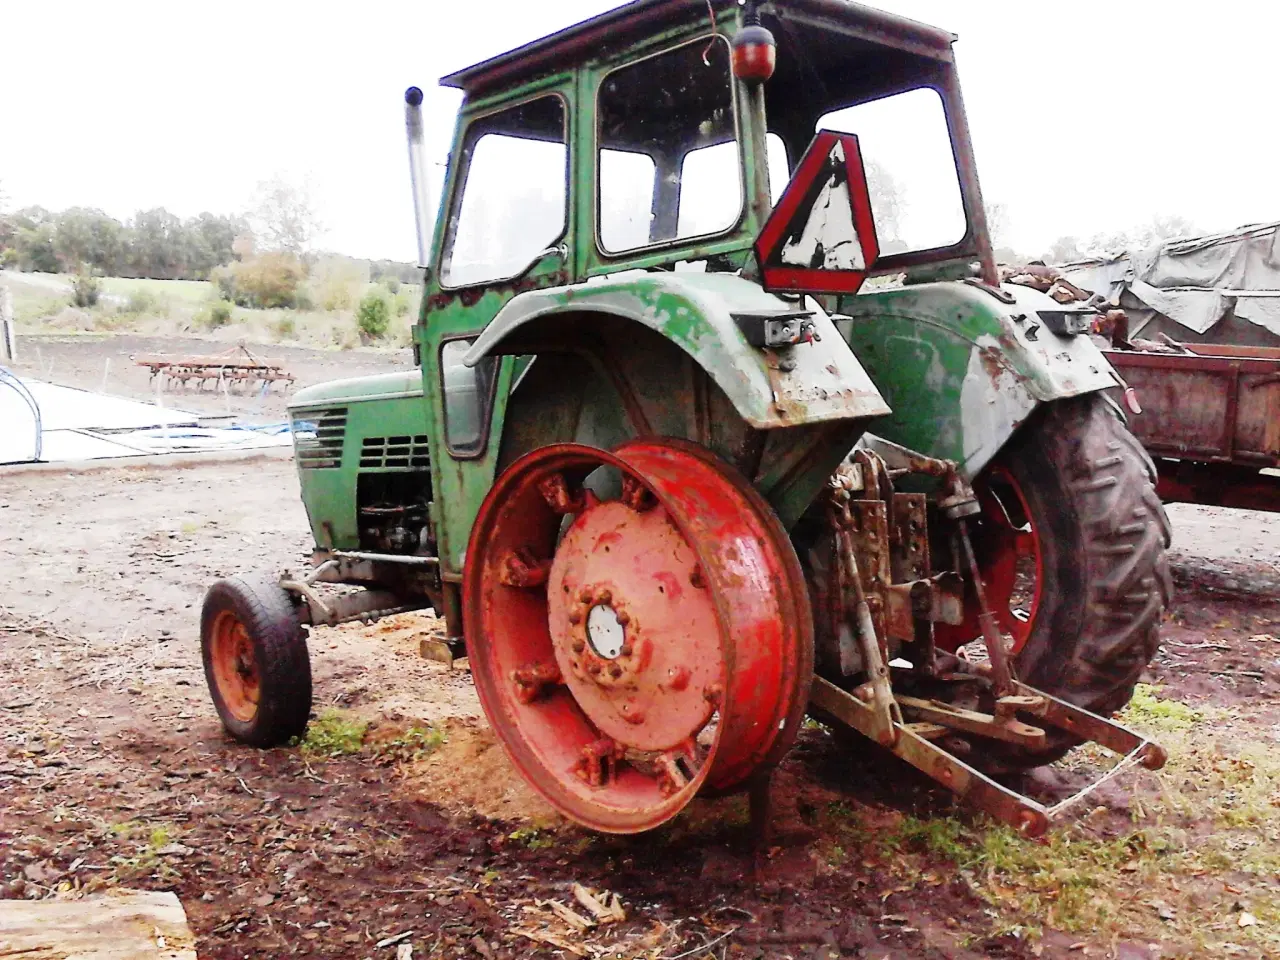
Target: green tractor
[{"x": 721, "y": 416}]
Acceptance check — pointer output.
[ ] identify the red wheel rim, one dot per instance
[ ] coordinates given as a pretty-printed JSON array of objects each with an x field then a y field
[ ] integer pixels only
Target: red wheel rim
[
  {"x": 235, "y": 666},
  {"x": 1010, "y": 558},
  {"x": 632, "y": 651}
]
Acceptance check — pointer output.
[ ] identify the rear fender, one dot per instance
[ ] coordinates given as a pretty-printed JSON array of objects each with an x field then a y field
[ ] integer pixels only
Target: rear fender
[
  {"x": 814, "y": 382},
  {"x": 962, "y": 369}
]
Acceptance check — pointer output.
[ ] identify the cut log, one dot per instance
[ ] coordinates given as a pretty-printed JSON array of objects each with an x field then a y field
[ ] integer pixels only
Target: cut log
[{"x": 120, "y": 925}]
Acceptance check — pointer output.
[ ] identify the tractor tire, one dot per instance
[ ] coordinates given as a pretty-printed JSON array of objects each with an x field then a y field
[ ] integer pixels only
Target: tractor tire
[
  {"x": 1088, "y": 488},
  {"x": 255, "y": 660}
]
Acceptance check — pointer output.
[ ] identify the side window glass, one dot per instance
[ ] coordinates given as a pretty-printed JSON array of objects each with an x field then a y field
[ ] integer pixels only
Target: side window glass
[
  {"x": 669, "y": 164},
  {"x": 911, "y": 169},
  {"x": 513, "y": 202},
  {"x": 779, "y": 167},
  {"x": 626, "y": 199},
  {"x": 710, "y": 190},
  {"x": 468, "y": 395}
]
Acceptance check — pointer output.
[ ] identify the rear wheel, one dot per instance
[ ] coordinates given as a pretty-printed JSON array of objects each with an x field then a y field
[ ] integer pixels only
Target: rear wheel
[
  {"x": 256, "y": 660},
  {"x": 1071, "y": 543},
  {"x": 637, "y": 626}
]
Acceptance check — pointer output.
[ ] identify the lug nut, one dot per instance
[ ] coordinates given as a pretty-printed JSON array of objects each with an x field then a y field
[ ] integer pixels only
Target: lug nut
[
  {"x": 615, "y": 671},
  {"x": 604, "y": 596},
  {"x": 625, "y": 650},
  {"x": 578, "y": 646},
  {"x": 585, "y": 595},
  {"x": 622, "y": 617}
]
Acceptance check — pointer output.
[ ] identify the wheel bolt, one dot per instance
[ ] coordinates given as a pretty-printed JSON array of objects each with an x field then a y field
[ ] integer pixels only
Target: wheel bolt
[
  {"x": 578, "y": 646},
  {"x": 604, "y": 596},
  {"x": 586, "y": 596},
  {"x": 625, "y": 650},
  {"x": 615, "y": 671},
  {"x": 593, "y": 669},
  {"x": 623, "y": 617},
  {"x": 575, "y": 615}
]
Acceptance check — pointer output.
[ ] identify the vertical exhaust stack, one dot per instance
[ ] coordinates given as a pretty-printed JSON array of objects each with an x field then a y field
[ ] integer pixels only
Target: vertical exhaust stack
[{"x": 418, "y": 171}]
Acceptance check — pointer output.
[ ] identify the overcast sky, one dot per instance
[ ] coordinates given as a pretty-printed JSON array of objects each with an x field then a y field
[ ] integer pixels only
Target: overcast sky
[{"x": 1087, "y": 117}]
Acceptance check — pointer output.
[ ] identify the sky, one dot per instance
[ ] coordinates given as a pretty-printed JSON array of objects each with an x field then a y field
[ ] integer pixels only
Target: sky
[{"x": 1087, "y": 117}]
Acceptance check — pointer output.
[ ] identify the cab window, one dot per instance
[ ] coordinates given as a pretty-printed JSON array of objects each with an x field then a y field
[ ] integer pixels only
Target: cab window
[
  {"x": 669, "y": 164},
  {"x": 513, "y": 200}
]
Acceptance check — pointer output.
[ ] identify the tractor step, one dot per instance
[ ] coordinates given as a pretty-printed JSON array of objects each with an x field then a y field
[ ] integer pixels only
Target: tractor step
[{"x": 913, "y": 743}]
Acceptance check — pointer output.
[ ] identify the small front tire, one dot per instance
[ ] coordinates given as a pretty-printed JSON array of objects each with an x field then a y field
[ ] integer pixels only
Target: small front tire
[{"x": 255, "y": 660}]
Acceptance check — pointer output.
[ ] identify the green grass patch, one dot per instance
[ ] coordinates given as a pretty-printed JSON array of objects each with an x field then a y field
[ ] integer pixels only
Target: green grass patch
[
  {"x": 334, "y": 733},
  {"x": 1152, "y": 713}
]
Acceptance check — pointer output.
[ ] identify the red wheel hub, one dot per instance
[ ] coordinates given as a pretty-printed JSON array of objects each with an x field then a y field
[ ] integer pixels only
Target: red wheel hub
[
  {"x": 633, "y": 650},
  {"x": 235, "y": 666},
  {"x": 1010, "y": 559}
]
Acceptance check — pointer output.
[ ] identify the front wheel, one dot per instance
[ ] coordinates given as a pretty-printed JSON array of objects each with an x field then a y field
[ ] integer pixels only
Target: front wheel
[
  {"x": 1071, "y": 543},
  {"x": 256, "y": 660}
]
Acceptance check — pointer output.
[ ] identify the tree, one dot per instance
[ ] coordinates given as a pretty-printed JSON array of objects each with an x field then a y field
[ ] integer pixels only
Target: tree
[
  {"x": 1064, "y": 250},
  {"x": 156, "y": 247},
  {"x": 87, "y": 236},
  {"x": 888, "y": 200},
  {"x": 210, "y": 242},
  {"x": 283, "y": 217},
  {"x": 1162, "y": 227}
]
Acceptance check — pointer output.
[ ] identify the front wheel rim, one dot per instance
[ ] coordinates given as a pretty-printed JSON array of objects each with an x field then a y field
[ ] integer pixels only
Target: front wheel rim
[{"x": 235, "y": 666}]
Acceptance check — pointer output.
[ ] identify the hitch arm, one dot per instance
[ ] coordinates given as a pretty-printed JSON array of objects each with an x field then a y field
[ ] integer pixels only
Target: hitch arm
[{"x": 1025, "y": 815}]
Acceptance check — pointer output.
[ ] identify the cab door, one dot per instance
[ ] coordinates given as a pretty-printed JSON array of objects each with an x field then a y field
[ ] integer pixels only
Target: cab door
[{"x": 505, "y": 227}]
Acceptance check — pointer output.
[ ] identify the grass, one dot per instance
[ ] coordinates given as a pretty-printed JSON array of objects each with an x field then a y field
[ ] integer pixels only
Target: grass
[
  {"x": 42, "y": 304},
  {"x": 340, "y": 733},
  {"x": 1193, "y": 858},
  {"x": 334, "y": 733}
]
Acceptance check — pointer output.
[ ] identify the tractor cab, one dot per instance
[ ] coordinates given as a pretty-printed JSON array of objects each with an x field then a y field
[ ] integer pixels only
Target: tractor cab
[{"x": 650, "y": 138}]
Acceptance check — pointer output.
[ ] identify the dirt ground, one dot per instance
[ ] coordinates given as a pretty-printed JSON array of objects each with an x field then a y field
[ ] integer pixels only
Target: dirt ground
[
  {"x": 400, "y": 822},
  {"x": 104, "y": 363}
]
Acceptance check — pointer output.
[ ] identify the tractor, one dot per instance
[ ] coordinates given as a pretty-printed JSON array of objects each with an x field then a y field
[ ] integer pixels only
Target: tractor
[{"x": 720, "y": 418}]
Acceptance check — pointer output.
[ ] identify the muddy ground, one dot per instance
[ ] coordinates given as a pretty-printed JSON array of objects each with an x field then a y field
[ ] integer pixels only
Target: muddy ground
[
  {"x": 115, "y": 771},
  {"x": 105, "y": 363}
]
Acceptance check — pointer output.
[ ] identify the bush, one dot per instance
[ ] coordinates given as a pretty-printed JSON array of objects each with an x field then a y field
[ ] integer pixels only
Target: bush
[
  {"x": 336, "y": 282},
  {"x": 392, "y": 284},
  {"x": 224, "y": 282},
  {"x": 271, "y": 280},
  {"x": 85, "y": 290},
  {"x": 373, "y": 316},
  {"x": 285, "y": 327},
  {"x": 141, "y": 301},
  {"x": 220, "y": 315}
]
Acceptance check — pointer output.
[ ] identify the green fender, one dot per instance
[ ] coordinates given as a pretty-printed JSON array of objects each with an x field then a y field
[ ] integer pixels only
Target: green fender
[
  {"x": 962, "y": 369},
  {"x": 810, "y": 383}
]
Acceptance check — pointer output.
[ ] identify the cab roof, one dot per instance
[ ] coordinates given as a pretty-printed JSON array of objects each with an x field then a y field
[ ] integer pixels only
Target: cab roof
[{"x": 642, "y": 18}]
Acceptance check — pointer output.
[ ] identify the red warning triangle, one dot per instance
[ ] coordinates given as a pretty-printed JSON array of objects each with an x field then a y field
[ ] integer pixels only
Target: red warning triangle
[{"x": 821, "y": 237}]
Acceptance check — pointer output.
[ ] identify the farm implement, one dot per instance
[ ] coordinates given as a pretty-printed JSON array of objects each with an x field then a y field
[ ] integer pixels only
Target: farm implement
[
  {"x": 711, "y": 429},
  {"x": 239, "y": 365}
]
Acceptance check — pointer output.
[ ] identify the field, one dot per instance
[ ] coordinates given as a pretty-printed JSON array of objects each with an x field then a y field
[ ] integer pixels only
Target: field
[
  {"x": 399, "y": 816},
  {"x": 43, "y": 304}
]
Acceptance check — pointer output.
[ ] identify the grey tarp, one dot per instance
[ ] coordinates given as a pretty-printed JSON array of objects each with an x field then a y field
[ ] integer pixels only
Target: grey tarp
[{"x": 1196, "y": 282}]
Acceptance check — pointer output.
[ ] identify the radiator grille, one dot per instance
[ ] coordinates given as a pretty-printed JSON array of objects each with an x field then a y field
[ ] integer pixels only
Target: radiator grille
[
  {"x": 318, "y": 436},
  {"x": 388, "y": 453}
]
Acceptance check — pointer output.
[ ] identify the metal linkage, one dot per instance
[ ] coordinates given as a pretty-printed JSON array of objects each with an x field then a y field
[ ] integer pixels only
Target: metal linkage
[{"x": 880, "y": 608}]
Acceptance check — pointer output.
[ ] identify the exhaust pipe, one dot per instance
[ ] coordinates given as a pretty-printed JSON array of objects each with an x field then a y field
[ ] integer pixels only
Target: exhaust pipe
[{"x": 418, "y": 171}]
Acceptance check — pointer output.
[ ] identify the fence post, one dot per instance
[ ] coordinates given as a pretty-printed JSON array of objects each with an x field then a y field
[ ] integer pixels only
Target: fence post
[{"x": 8, "y": 339}]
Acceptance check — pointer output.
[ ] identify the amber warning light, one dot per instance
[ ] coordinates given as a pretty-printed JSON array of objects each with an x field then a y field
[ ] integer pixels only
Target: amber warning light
[{"x": 755, "y": 52}]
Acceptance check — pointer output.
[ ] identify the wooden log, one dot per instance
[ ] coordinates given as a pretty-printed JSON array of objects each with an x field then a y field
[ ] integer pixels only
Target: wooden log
[{"x": 119, "y": 925}]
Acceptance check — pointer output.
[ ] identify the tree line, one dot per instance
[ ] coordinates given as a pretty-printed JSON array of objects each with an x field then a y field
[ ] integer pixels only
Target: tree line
[{"x": 153, "y": 243}]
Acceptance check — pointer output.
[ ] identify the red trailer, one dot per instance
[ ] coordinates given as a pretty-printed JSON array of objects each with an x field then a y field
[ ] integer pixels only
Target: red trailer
[{"x": 1211, "y": 420}]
